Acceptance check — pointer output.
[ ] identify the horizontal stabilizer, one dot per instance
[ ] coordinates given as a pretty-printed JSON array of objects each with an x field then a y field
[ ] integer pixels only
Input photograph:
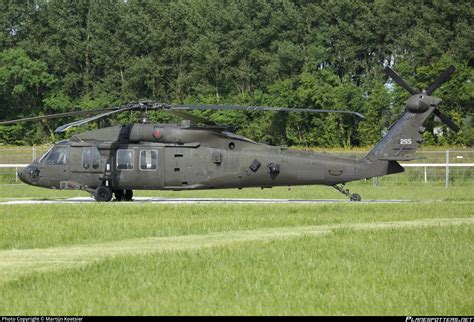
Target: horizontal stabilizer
[{"x": 399, "y": 158}]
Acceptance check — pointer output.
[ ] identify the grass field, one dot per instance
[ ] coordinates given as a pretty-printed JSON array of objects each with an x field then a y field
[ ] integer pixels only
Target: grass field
[{"x": 413, "y": 258}]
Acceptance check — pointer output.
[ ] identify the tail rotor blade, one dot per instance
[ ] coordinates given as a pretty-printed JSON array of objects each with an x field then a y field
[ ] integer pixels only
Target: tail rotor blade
[
  {"x": 393, "y": 75},
  {"x": 447, "y": 120},
  {"x": 441, "y": 79}
]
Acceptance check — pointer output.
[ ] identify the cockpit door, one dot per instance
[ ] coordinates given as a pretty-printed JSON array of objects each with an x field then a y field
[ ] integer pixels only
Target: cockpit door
[
  {"x": 53, "y": 166},
  {"x": 87, "y": 165}
]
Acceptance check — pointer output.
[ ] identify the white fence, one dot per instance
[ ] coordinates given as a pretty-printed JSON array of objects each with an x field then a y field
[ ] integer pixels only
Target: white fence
[
  {"x": 439, "y": 167},
  {"x": 6, "y": 176},
  {"x": 446, "y": 166}
]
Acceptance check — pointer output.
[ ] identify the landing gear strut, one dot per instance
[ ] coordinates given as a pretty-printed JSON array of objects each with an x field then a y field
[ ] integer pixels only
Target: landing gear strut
[{"x": 341, "y": 189}]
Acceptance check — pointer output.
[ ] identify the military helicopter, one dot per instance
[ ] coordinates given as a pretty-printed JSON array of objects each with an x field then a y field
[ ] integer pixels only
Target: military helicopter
[{"x": 114, "y": 161}]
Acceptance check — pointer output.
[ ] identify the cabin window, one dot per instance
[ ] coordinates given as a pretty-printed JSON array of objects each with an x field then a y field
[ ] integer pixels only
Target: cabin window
[
  {"x": 90, "y": 158},
  {"x": 125, "y": 159},
  {"x": 56, "y": 156},
  {"x": 148, "y": 160}
]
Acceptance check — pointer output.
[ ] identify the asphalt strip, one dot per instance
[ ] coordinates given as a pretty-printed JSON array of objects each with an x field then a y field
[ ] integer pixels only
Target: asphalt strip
[
  {"x": 155, "y": 200},
  {"x": 17, "y": 263}
]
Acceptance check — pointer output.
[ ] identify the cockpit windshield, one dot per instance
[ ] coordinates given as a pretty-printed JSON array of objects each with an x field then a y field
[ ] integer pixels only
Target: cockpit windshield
[{"x": 55, "y": 156}]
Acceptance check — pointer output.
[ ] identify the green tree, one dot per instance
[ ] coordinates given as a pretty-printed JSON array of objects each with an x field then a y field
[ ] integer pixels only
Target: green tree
[
  {"x": 24, "y": 83},
  {"x": 317, "y": 54}
]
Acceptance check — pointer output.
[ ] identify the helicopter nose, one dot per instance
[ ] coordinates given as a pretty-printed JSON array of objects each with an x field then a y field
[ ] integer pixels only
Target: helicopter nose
[
  {"x": 29, "y": 175},
  {"x": 21, "y": 175}
]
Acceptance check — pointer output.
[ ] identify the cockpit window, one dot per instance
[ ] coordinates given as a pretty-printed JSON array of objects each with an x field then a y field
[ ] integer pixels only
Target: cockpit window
[
  {"x": 90, "y": 158},
  {"x": 124, "y": 159},
  {"x": 148, "y": 159},
  {"x": 55, "y": 156}
]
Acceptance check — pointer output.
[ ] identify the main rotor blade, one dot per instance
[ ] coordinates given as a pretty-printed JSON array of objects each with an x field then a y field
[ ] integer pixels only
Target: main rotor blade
[
  {"x": 447, "y": 120},
  {"x": 191, "y": 117},
  {"x": 445, "y": 76},
  {"x": 400, "y": 81},
  {"x": 257, "y": 108},
  {"x": 64, "y": 127},
  {"x": 54, "y": 116},
  {"x": 174, "y": 109}
]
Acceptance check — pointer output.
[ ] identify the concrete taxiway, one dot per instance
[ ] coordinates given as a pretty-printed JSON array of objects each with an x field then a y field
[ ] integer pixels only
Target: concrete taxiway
[{"x": 158, "y": 200}]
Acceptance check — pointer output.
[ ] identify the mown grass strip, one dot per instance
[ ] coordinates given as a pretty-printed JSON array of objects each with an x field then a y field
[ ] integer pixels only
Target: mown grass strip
[{"x": 17, "y": 263}]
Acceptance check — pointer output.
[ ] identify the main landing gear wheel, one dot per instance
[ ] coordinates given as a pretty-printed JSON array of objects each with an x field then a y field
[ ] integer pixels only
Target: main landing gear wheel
[
  {"x": 123, "y": 195},
  {"x": 103, "y": 193},
  {"x": 128, "y": 195},
  {"x": 352, "y": 197},
  {"x": 118, "y": 195}
]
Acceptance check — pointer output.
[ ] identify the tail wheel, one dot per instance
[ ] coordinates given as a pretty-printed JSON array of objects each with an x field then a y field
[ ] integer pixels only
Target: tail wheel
[
  {"x": 128, "y": 195},
  {"x": 355, "y": 197},
  {"x": 346, "y": 192},
  {"x": 103, "y": 194}
]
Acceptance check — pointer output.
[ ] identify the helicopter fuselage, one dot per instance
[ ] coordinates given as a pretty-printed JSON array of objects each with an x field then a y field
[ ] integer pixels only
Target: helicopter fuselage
[{"x": 167, "y": 157}]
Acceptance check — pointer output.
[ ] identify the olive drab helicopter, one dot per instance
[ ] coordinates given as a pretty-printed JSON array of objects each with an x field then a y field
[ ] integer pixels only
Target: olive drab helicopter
[{"x": 199, "y": 154}]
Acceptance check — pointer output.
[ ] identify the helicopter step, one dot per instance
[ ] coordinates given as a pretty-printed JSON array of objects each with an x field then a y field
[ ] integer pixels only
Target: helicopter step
[
  {"x": 352, "y": 197},
  {"x": 71, "y": 185}
]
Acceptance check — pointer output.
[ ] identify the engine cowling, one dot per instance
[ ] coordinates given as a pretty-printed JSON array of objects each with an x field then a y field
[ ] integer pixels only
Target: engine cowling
[{"x": 146, "y": 133}]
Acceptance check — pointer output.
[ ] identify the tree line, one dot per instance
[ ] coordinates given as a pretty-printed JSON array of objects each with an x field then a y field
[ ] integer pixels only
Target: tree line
[{"x": 58, "y": 56}]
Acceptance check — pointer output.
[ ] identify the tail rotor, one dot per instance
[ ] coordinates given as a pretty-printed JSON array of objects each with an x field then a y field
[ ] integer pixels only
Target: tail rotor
[{"x": 420, "y": 101}]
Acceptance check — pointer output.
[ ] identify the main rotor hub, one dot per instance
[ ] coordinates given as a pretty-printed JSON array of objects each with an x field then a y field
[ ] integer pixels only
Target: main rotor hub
[{"x": 144, "y": 117}]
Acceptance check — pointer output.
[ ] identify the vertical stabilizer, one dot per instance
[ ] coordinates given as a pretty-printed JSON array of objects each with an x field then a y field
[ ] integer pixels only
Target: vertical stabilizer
[{"x": 402, "y": 139}]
